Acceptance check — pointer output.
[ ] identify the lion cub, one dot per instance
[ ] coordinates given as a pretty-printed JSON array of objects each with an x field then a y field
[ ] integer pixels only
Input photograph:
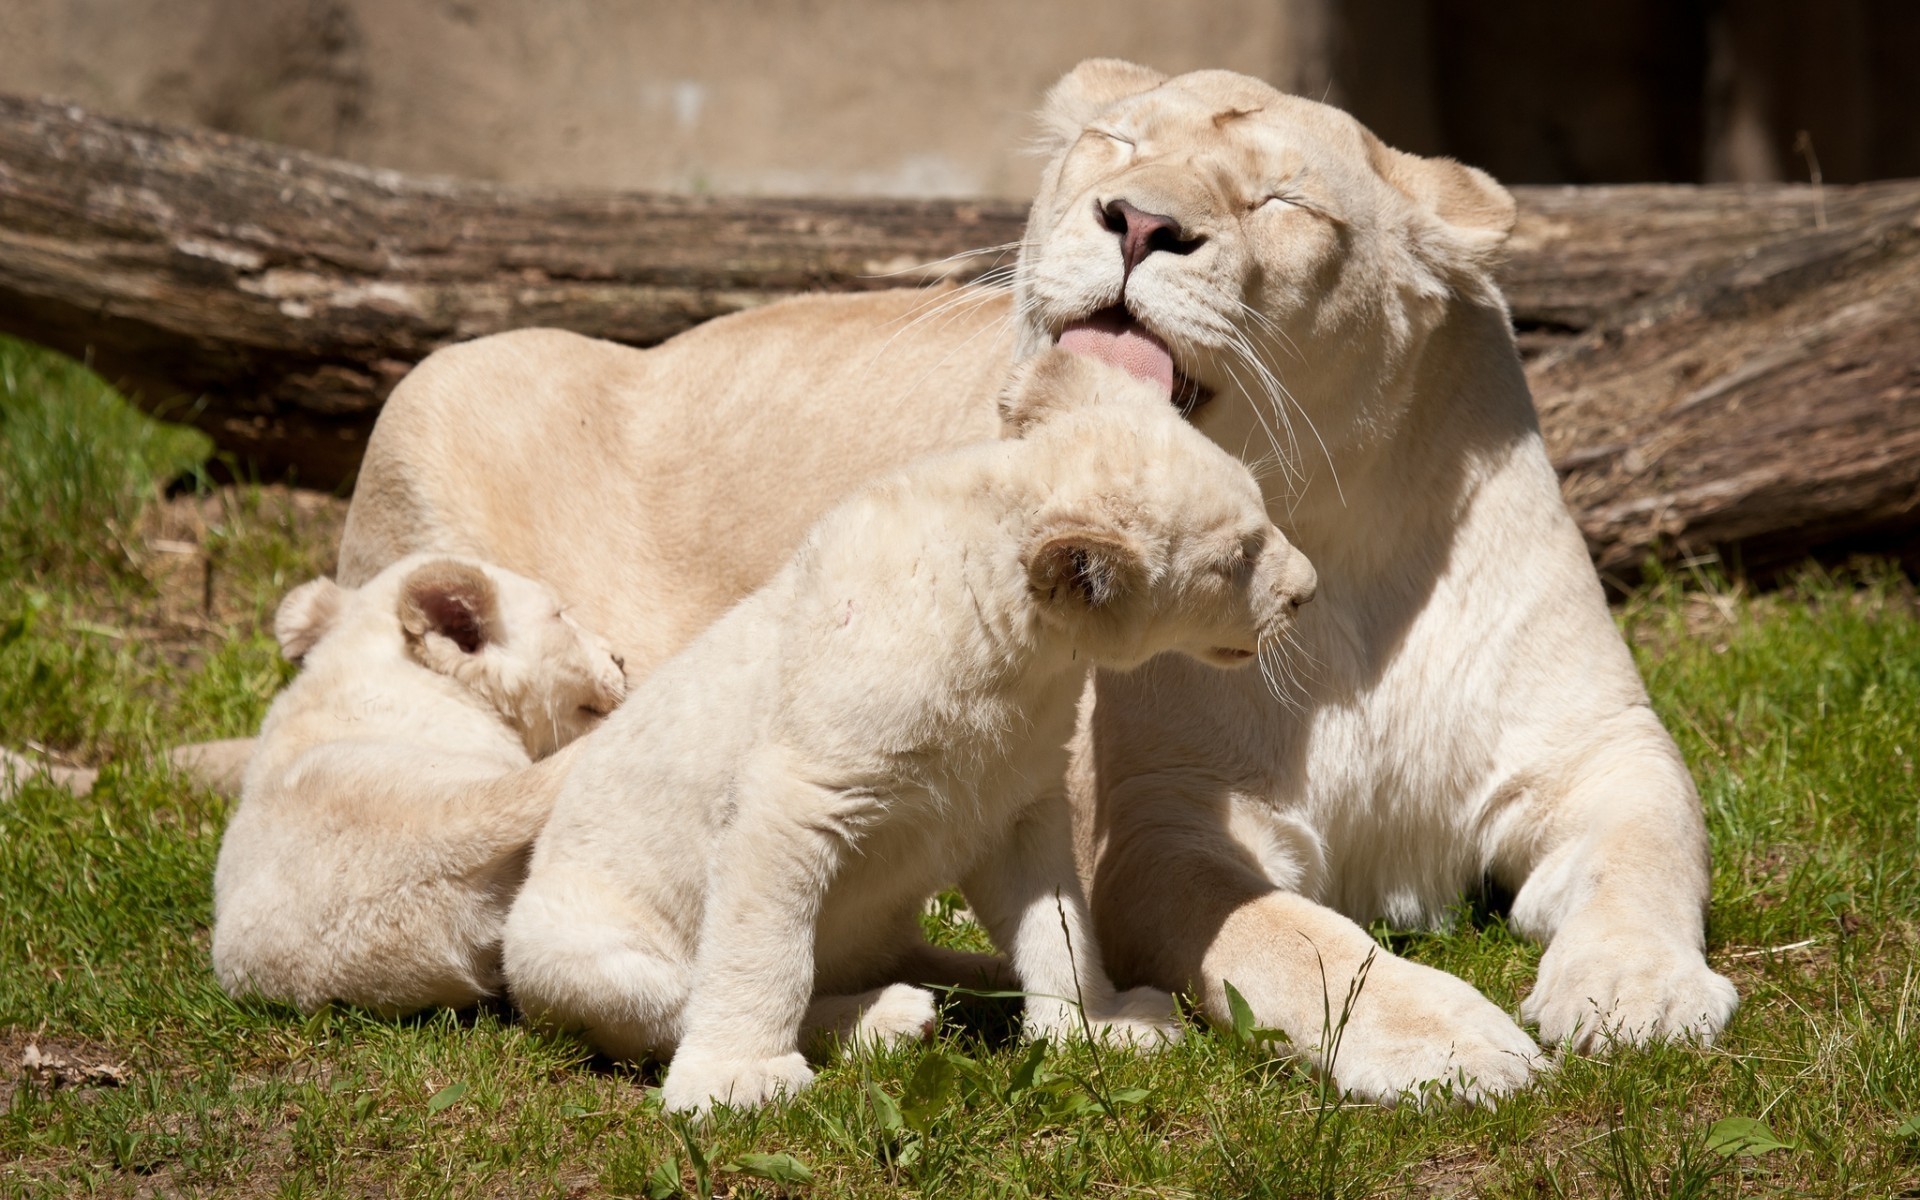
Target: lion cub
[
  {"x": 386, "y": 815},
  {"x": 762, "y": 822}
]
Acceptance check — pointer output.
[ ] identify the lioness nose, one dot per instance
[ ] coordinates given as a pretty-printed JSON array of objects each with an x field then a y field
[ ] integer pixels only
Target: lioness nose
[{"x": 1142, "y": 233}]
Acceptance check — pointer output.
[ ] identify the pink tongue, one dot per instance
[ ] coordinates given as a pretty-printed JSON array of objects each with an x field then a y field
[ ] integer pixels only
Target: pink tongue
[{"x": 1112, "y": 336}]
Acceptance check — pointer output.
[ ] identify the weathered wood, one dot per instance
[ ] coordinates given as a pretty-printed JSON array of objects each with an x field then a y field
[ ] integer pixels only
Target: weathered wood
[
  {"x": 1768, "y": 406},
  {"x": 1727, "y": 368},
  {"x": 1581, "y": 253}
]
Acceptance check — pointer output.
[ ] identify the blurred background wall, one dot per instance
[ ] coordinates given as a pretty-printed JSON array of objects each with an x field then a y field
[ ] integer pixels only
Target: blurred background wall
[{"x": 932, "y": 97}]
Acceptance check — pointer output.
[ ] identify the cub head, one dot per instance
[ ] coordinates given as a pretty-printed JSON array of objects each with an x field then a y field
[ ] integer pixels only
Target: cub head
[
  {"x": 502, "y": 636},
  {"x": 1289, "y": 263},
  {"x": 1147, "y": 537}
]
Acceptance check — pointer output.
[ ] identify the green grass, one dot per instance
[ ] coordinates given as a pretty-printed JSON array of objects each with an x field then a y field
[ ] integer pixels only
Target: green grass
[{"x": 1799, "y": 710}]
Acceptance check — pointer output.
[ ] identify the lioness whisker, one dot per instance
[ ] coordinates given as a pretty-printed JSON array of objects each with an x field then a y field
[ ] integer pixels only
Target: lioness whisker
[{"x": 999, "y": 251}]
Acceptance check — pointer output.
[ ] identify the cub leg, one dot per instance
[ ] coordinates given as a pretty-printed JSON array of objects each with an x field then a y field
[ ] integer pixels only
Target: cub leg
[
  {"x": 1181, "y": 903},
  {"x": 1028, "y": 896},
  {"x": 577, "y": 959},
  {"x": 893, "y": 1015},
  {"x": 926, "y": 964},
  {"x": 1618, "y": 891},
  {"x": 754, "y": 969}
]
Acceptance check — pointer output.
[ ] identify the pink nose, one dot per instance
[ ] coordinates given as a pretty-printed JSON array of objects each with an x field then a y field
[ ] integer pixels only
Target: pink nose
[{"x": 1142, "y": 233}]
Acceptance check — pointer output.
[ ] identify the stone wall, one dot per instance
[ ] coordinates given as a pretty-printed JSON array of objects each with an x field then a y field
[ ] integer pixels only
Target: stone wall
[{"x": 932, "y": 97}]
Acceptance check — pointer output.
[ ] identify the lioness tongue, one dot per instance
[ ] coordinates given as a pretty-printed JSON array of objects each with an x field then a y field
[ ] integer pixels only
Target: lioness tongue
[{"x": 1112, "y": 336}]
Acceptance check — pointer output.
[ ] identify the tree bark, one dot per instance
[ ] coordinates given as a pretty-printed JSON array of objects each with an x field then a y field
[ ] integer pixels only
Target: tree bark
[{"x": 1730, "y": 369}]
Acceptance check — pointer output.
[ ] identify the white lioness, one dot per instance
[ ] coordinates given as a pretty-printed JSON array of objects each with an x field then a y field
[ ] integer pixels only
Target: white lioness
[
  {"x": 1469, "y": 712},
  {"x": 764, "y": 820},
  {"x": 385, "y": 820}
]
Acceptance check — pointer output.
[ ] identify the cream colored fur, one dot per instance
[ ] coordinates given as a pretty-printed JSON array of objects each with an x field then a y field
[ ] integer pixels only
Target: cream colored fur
[
  {"x": 385, "y": 820},
  {"x": 765, "y": 819},
  {"x": 1466, "y": 710}
]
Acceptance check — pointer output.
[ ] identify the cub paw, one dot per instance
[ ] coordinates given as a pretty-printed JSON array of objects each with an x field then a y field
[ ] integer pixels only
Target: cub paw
[
  {"x": 1421, "y": 1036},
  {"x": 900, "y": 1014},
  {"x": 1594, "y": 993},
  {"x": 1141, "y": 1019},
  {"x": 697, "y": 1084}
]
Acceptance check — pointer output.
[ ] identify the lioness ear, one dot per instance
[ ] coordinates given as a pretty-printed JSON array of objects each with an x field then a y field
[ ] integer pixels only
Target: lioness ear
[
  {"x": 1083, "y": 567},
  {"x": 305, "y": 616},
  {"x": 453, "y": 599},
  {"x": 1468, "y": 200},
  {"x": 1084, "y": 91}
]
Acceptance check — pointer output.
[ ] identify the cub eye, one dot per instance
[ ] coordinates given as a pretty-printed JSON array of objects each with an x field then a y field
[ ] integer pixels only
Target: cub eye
[{"x": 593, "y": 710}]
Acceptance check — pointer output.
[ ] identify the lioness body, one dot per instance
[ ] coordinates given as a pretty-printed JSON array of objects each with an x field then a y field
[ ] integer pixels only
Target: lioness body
[
  {"x": 1468, "y": 709},
  {"x": 767, "y": 816}
]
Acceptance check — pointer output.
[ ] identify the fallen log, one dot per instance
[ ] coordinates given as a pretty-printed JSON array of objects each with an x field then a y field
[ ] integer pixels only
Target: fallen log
[
  {"x": 1718, "y": 369},
  {"x": 1764, "y": 407}
]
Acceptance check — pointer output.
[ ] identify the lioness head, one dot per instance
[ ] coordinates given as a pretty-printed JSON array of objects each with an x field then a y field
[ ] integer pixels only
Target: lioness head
[
  {"x": 1279, "y": 253},
  {"x": 503, "y": 636},
  {"x": 1149, "y": 538}
]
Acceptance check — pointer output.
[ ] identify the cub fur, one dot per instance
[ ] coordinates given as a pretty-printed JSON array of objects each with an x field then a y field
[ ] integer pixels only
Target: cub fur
[
  {"x": 763, "y": 821},
  {"x": 385, "y": 818}
]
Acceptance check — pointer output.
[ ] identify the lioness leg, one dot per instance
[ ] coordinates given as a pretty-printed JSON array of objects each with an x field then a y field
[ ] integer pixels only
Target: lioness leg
[
  {"x": 1181, "y": 904},
  {"x": 1618, "y": 892}
]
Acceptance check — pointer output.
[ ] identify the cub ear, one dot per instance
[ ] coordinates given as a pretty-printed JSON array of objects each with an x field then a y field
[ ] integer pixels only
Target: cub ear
[
  {"x": 1084, "y": 91},
  {"x": 1083, "y": 567},
  {"x": 1056, "y": 381},
  {"x": 453, "y": 599},
  {"x": 306, "y": 616},
  {"x": 1044, "y": 384},
  {"x": 1469, "y": 201}
]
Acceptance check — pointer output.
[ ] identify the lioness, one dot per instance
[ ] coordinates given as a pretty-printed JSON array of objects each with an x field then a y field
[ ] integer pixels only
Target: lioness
[
  {"x": 385, "y": 819},
  {"x": 1469, "y": 712},
  {"x": 766, "y": 817}
]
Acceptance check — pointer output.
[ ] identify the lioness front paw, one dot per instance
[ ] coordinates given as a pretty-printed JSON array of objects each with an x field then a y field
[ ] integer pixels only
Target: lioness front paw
[
  {"x": 1142, "y": 1019},
  {"x": 901, "y": 1013},
  {"x": 696, "y": 1084},
  {"x": 1419, "y": 1035},
  {"x": 1595, "y": 992}
]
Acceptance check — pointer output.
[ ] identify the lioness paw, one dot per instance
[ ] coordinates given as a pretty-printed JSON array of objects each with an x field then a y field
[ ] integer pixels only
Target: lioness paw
[
  {"x": 1591, "y": 994},
  {"x": 697, "y": 1084},
  {"x": 1417, "y": 1035}
]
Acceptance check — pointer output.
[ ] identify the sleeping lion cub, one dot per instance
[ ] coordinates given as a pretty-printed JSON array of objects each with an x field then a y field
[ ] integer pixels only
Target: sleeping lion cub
[
  {"x": 385, "y": 818},
  {"x": 762, "y": 822}
]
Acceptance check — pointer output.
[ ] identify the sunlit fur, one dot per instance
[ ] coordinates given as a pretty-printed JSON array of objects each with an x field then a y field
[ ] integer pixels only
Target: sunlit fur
[
  {"x": 385, "y": 818},
  {"x": 765, "y": 819},
  {"x": 1457, "y": 705}
]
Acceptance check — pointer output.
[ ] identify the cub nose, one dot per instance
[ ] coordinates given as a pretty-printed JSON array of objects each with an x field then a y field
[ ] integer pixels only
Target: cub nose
[
  {"x": 1142, "y": 233},
  {"x": 1300, "y": 581}
]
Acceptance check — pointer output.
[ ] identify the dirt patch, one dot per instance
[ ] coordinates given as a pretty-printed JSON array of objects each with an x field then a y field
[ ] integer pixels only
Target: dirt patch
[{"x": 51, "y": 1062}]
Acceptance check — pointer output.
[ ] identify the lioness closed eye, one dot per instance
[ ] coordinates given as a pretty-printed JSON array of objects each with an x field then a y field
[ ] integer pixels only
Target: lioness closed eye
[
  {"x": 386, "y": 816},
  {"x": 762, "y": 822}
]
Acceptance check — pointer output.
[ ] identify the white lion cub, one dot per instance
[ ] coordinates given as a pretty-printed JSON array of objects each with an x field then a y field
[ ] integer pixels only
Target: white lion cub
[
  {"x": 762, "y": 822},
  {"x": 385, "y": 818}
]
